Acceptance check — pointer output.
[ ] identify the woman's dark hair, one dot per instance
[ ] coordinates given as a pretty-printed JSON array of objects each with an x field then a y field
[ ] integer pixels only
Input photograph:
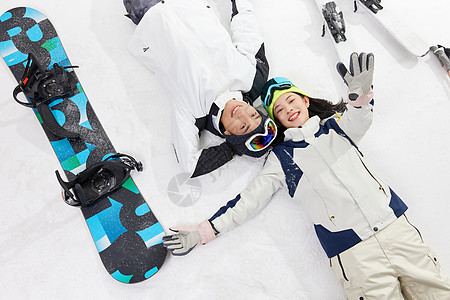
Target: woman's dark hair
[{"x": 324, "y": 108}]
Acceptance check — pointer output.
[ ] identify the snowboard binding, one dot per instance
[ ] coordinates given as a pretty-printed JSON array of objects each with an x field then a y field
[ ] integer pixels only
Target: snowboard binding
[
  {"x": 42, "y": 86},
  {"x": 99, "y": 180}
]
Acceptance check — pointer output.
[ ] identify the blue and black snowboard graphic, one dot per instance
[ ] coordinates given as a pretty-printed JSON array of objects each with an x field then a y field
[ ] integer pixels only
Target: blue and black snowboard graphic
[{"x": 127, "y": 235}]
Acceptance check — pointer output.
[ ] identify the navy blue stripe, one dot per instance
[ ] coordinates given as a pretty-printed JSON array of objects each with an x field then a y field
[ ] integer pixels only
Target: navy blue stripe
[
  {"x": 223, "y": 209},
  {"x": 292, "y": 144}
]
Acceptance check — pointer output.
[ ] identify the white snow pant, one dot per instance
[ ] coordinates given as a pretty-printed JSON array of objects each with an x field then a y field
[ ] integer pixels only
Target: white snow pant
[{"x": 393, "y": 264}]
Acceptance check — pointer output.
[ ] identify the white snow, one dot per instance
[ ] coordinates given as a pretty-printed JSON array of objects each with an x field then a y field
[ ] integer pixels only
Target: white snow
[{"x": 46, "y": 249}]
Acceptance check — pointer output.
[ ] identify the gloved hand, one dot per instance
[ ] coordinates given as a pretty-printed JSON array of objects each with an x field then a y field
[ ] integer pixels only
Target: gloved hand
[
  {"x": 359, "y": 78},
  {"x": 188, "y": 237}
]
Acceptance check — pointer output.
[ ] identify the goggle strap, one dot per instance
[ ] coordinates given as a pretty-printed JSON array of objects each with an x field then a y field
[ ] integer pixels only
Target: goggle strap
[
  {"x": 248, "y": 143},
  {"x": 275, "y": 87}
]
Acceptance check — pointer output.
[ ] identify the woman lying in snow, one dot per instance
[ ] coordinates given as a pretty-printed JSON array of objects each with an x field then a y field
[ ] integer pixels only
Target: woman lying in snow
[{"x": 374, "y": 250}]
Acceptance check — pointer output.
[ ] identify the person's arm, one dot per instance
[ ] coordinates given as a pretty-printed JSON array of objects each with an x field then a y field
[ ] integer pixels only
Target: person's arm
[
  {"x": 186, "y": 140},
  {"x": 247, "y": 39},
  {"x": 357, "y": 119},
  {"x": 244, "y": 207},
  {"x": 253, "y": 199},
  {"x": 244, "y": 28}
]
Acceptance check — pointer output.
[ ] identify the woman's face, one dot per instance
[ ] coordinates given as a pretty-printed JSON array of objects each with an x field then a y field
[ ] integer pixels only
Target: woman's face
[
  {"x": 291, "y": 110},
  {"x": 239, "y": 118}
]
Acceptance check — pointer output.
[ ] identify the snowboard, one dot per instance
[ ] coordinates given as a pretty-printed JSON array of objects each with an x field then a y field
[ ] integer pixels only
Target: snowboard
[{"x": 127, "y": 235}]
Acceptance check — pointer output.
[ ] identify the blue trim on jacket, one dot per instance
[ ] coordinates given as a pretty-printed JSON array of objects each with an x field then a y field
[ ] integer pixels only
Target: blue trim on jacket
[
  {"x": 336, "y": 242},
  {"x": 397, "y": 205},
  {"x": 223, "y": 209},
  {"x": 292, "y": 171}
]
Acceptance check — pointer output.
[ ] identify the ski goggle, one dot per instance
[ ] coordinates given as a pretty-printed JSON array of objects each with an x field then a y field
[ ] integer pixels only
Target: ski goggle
[
  {"x": 271, "y": 87},
  {"x": 274, "y": 84},
  {"x": 261, "y": 141}
]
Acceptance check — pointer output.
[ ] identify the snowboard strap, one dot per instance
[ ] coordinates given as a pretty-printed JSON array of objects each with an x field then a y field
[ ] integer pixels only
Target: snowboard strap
[
  {"x": 42, "y": 86},
  {"x": 99, "y": 180}
]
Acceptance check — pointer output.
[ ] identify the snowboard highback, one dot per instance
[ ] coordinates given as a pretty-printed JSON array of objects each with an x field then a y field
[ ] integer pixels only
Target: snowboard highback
[{"x": 126, "y": 233}]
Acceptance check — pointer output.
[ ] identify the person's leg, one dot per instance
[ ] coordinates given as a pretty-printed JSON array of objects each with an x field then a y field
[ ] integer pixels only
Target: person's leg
[
  {"x": 419, "y": 270},
  {"x": 366, "y": 273},
  {"x": 247, "y": 38}
]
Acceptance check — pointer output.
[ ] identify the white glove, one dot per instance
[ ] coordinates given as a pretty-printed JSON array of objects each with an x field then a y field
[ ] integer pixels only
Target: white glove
[
  {"x": 359, "y": 78},
  {"x": 188, "y": 237}
]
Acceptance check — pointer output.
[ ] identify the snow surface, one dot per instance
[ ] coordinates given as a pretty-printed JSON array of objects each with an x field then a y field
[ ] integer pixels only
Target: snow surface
[{"x": 47, "y": 251}]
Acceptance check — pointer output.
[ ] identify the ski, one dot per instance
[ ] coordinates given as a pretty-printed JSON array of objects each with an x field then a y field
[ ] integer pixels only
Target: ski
[{"x": 401, "y": 33}]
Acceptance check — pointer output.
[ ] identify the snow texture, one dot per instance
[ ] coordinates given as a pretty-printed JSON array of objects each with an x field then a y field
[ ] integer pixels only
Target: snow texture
[{"x": 47, "y": 251}]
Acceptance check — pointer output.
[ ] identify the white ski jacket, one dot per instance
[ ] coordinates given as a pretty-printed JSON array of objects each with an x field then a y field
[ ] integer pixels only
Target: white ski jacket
[
  {"x": 323, "y": 169},
  {"x": 200, "y": 66}
]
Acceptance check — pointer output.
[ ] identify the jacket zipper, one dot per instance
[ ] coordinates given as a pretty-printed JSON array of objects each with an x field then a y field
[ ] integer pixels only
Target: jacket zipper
[{"x": 368, "y": 171}]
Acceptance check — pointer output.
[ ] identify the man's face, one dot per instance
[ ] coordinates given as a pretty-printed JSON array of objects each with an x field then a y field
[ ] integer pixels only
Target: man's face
[{"x": 239, "y": 118}]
